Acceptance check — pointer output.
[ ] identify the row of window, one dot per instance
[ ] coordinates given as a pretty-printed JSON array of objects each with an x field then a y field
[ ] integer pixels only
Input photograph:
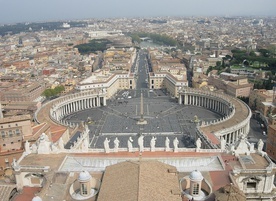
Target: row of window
[
  {"x": 9, "y": 125},
  {"x": 10, "y": 133},
  {"x": 11, "y": 143}
]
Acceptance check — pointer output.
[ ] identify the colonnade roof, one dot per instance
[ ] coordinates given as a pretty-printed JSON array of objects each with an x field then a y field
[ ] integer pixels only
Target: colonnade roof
[
  {"x": 241, "y": 113},
  {"x": 56, "y": 129}
]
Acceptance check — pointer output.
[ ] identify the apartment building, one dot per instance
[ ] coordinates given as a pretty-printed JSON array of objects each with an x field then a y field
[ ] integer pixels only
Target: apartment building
[
  {"x": 23, "y": 91},
  {"x": 271, "y": 142},
  {"x": 231, "y": 84},
  {"x": 13, "y": 130}
]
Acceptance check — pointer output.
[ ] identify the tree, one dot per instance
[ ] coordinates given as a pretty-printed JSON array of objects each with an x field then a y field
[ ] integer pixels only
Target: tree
[
  {"x": 53, "y": 92},
  {"x": 48, "y": 93},
  {"x": 218, "y": 63}
]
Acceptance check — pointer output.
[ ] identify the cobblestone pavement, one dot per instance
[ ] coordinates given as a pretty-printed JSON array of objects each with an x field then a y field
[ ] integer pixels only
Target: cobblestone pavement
[{"x": 164, "y": 116}]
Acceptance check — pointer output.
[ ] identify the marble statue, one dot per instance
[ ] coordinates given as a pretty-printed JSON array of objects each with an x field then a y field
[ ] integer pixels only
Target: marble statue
[
  {"x": 152, "y": 143},
  {"x": 198, "y": 143},
  {"x": 222, "y": 143},
  {"x": 60, "y": 144},
  {"x": 129, "y": 144},
  {"x": 260, "y": 145},
  {"x": 141, "y": 143},
  {"x": 167, "y": 144},
  {"x": 44, "y": 145},
  {"x": 27, "y": 147},
  {"x": 34, "y": 148},
  {"x": 116, "y": 144},
  {"x": 53, "y": 148},
  {"x": 106, "y": 145},
  {"x": 85, "y": 145},
  {"x": 175, "y": 144}
]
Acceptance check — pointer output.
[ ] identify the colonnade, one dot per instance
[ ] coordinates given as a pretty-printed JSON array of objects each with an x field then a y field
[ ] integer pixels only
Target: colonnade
[
  {"x": 232, "y": 137},
  {"x": 227, "y": 127},
  {"x": 209, "y": 102},
  {"x": 77, "y": 102}
]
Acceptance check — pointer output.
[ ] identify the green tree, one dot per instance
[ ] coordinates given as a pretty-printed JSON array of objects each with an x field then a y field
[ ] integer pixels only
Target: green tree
[{"x": 48, "y": 93}]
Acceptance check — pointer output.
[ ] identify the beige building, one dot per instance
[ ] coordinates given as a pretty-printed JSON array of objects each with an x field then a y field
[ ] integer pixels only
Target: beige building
[
  {"x": 109, "y": 82},
  {"x": 231, "y": 84},
  {"x": 23, "y": 92},
  {"x": 167, "y": 72},
  {"x": 258, "y": 96},
  {"x": 271, "y": 142},
  {"x": 167, "y": 81},
  {"x": 200, "y": 81},
  {"x": 13, "y": 130}
]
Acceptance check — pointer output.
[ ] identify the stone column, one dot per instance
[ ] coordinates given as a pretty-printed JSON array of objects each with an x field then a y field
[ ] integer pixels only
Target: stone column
[
  {"x": 77, "y": 106},
  {"x": 98, "y": 101},
  {"x": 180, "y": 99},
  {"x": 86, "y": 103},
  {"x": 185, "y": 99},
  {"x": 104, "y": 101},
  {"x": 232, "y": 137}
]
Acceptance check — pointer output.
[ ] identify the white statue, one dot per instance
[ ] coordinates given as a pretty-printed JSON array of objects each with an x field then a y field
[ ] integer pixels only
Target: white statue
[
  {"x": 116, "y": 144},
  {"x": 106, "y": 145},
  {"x": 167, "y": 144},
  {"x": 141, "y": 143},
  {"x": 129, "y": 144},
  {"x": 260, "y": 145},
  {"x": 53, "y": 148},
  {"x": 27, "y": 147},
  {"x": 85, "y": 145},
  {"x": 34, "y": 148},
  {"x": 222, "y": 143},
  {"x": 198, "y": 143},
  {"x": 60, "y": 144},
  {"x": 44, "y": 145},
  {"x": 175, "y": 144},
  {"x": 152, "y": 144}
]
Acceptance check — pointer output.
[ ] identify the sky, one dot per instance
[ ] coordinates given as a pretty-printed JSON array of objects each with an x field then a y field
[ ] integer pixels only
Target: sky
[{"x": 13, "y": 11}]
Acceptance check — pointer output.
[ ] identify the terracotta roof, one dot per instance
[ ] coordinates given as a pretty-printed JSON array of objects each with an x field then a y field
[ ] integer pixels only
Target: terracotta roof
[
  {"x": 27, "y": 194},
  {"x": 57, "y": 132},
  {"x": 229, "y": 192},
  {"x": 141, "y": 181}
]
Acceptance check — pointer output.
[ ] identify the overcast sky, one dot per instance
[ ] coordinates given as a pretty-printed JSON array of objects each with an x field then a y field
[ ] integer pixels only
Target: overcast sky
[{"x": 47, "y": 10}]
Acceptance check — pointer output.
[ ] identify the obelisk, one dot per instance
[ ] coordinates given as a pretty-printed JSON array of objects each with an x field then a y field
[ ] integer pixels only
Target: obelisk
[{"x": 142, "y": 121}]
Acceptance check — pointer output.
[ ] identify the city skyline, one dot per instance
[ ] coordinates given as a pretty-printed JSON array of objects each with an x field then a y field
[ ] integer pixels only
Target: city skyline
[{"x": 31, "y": 11}]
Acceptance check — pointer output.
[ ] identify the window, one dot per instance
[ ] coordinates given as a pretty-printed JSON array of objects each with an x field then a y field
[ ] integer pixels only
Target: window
[
  {"x": 251, "y": 185},
  {"x": 3, "y": 134},
  {"x": 17, "y": 132},
  {"x": 195, "y": 189},
  {"x": 83, "y": 189},
  {"x": 10, "y": 133}
]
